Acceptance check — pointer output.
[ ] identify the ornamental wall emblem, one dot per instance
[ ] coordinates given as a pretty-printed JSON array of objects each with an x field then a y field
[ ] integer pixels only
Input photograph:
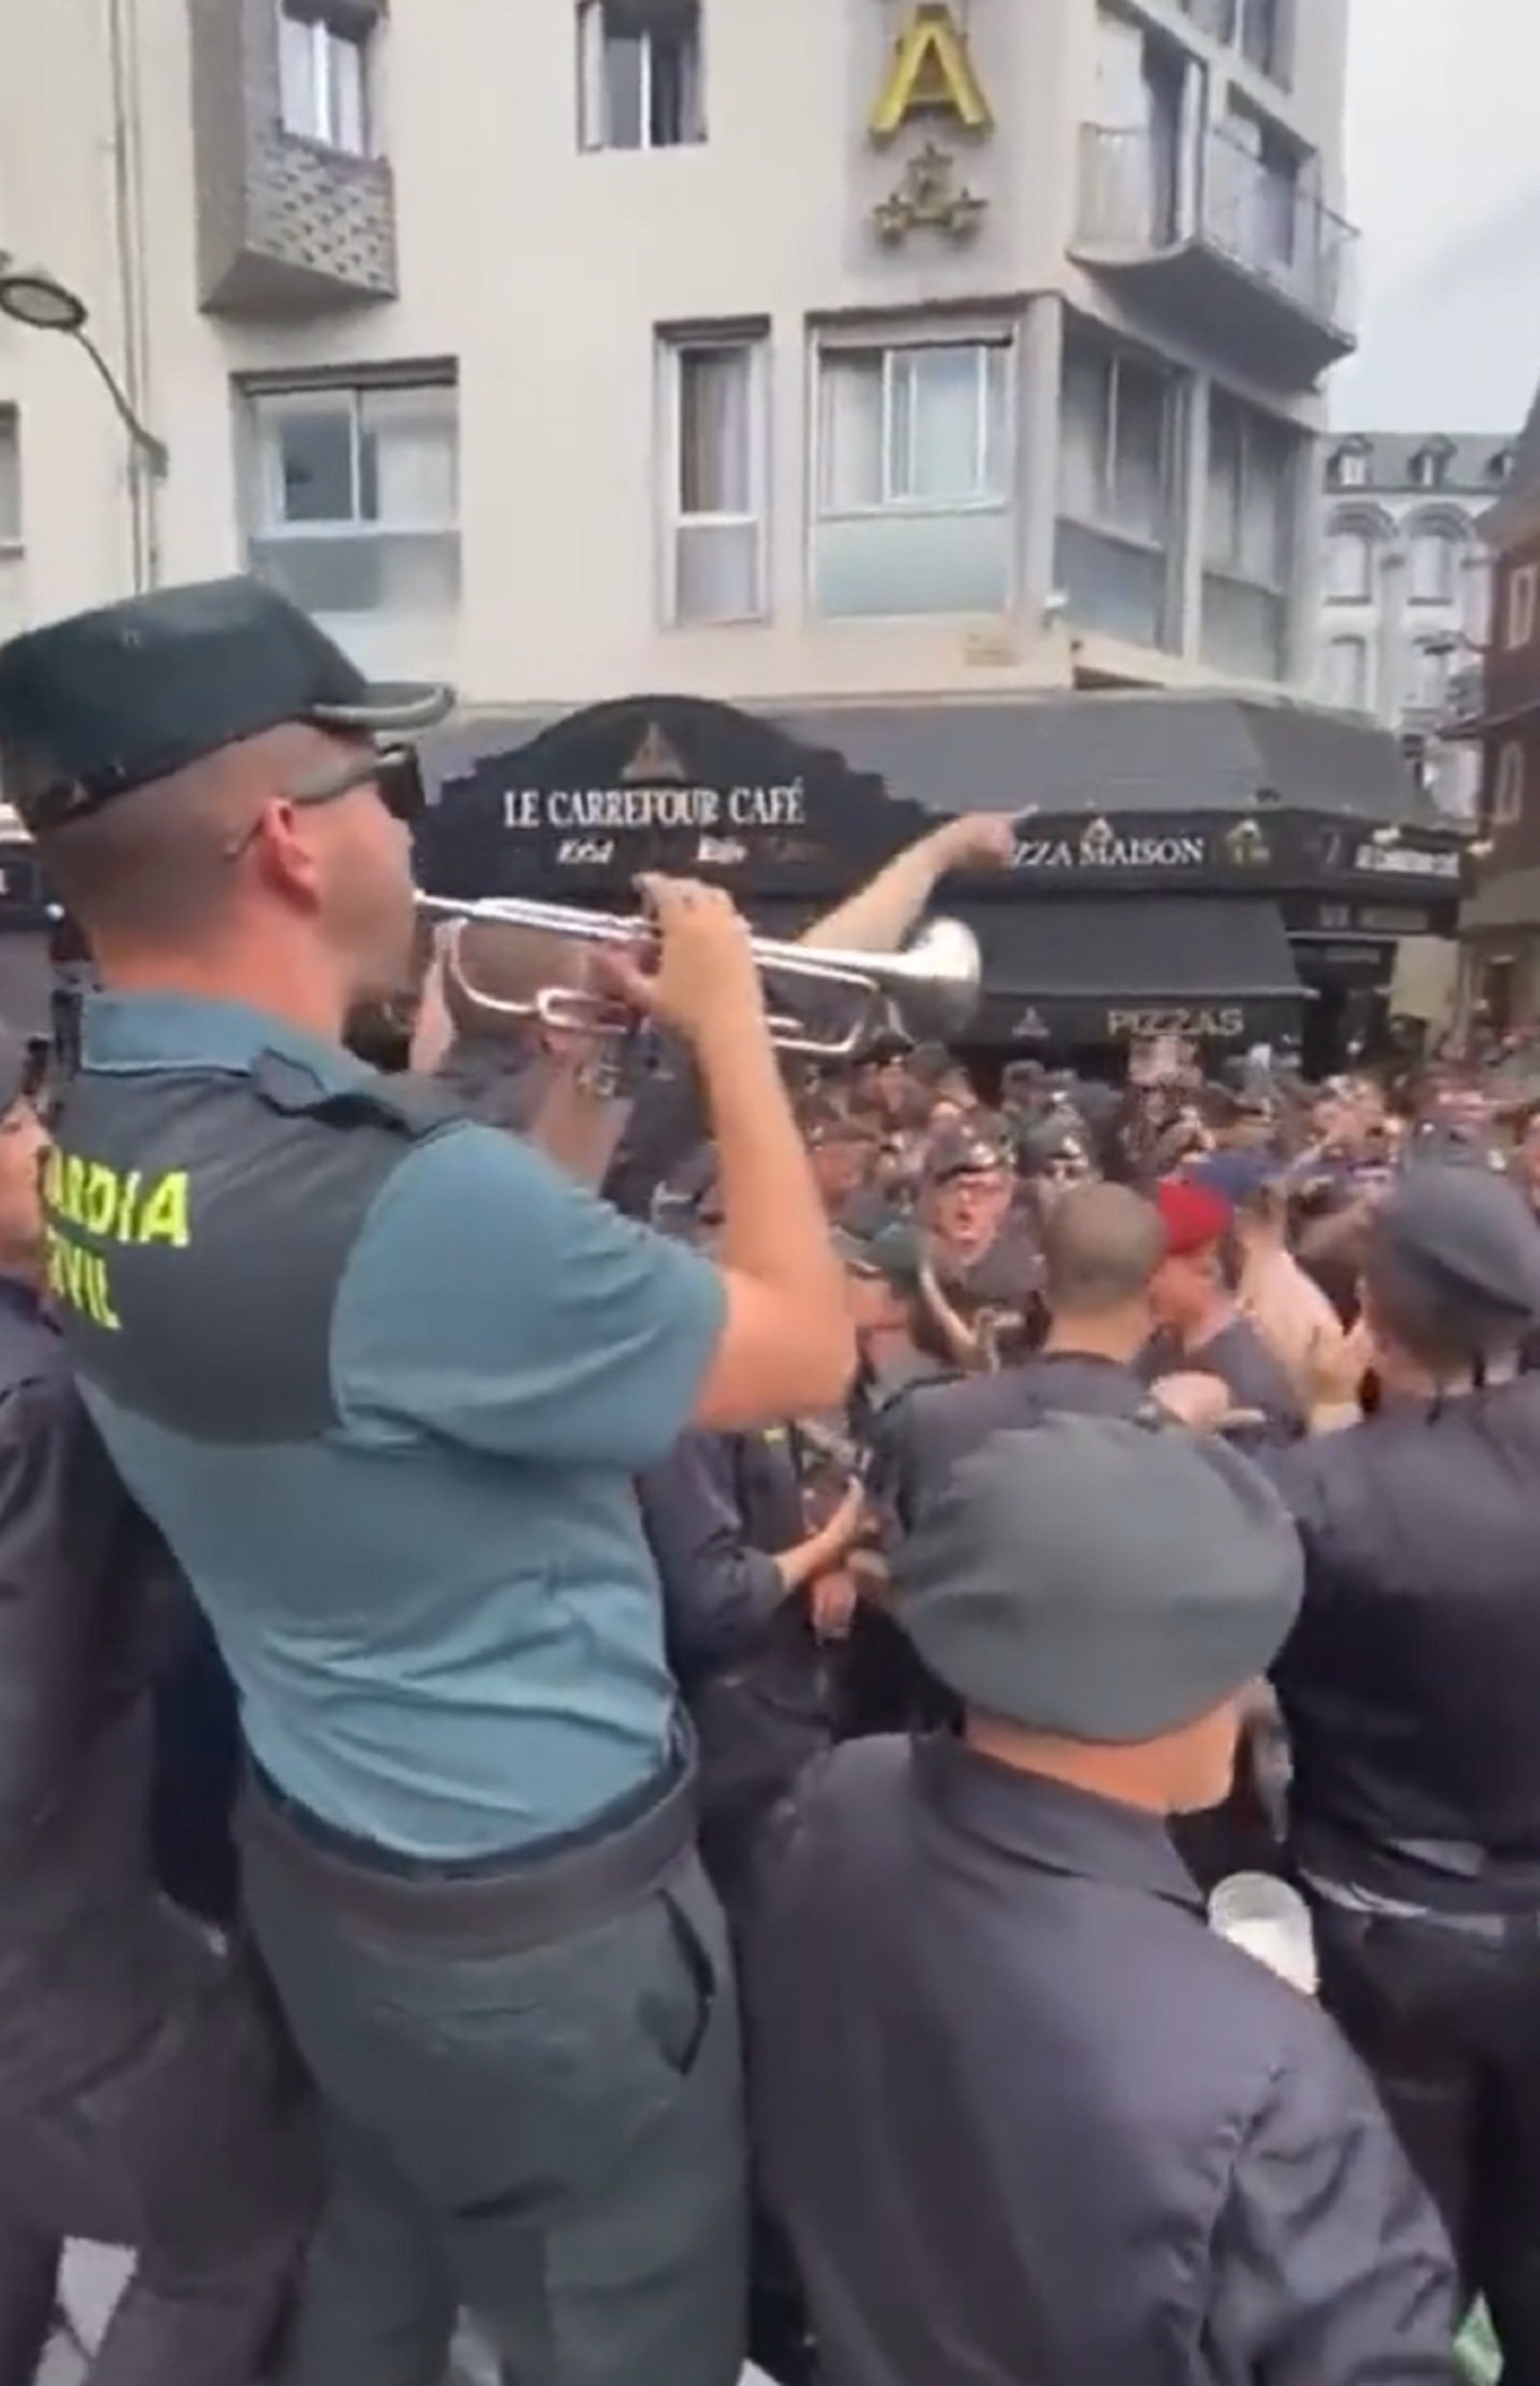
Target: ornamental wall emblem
[
  {"x": 1248, "y": 846},
  {"x": 1098, "y": 847}
]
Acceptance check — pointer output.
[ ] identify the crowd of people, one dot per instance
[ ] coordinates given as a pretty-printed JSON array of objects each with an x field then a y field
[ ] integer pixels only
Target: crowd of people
[{"x": 522, "y": 1547}]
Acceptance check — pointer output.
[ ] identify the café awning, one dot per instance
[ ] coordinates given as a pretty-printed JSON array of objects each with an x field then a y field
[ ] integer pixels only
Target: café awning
[{"x": 1104, "y": 970}]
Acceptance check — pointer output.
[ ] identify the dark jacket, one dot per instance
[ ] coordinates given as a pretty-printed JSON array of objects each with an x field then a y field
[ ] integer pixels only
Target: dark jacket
[
  {"x": 89, "y": 1612},
  {"x": 1026, "y": 2121},
  {"x": 1411, "y": 1683},
  {"x": 717, "y": 1512},
  {"x": 921, "y": 1435}
]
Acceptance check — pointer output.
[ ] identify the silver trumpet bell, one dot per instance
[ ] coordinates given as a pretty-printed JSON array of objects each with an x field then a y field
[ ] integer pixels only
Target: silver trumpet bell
[{"x": 934, "y": 984}]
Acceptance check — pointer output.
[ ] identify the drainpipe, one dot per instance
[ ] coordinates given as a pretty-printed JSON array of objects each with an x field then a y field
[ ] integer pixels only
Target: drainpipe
[{"x": 128, "y": 241}]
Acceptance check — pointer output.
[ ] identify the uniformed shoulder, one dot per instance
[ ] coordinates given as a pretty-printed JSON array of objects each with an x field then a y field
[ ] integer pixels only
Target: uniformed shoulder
[
  {"x": 840, "y": 1779},
  {"x": 903, "y": 1400}
]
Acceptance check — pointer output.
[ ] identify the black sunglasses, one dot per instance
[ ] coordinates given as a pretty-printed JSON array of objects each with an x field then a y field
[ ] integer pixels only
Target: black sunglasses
[{"x": 394, "y": 771}]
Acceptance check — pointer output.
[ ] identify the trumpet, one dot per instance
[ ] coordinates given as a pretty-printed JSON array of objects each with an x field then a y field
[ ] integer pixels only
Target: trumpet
[{"x": 935, "y": 982}]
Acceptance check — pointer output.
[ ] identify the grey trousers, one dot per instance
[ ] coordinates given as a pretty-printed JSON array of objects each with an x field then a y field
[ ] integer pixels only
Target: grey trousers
[
  {"x": 195, "y": 2149},
  {"x": 551, "y": 2139}
]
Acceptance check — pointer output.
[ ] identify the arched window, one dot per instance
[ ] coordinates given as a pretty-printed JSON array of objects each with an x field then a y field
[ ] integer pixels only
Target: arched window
[
  {"x": 1434, "y": 563},
  {"x": 1350, "y": 564}
]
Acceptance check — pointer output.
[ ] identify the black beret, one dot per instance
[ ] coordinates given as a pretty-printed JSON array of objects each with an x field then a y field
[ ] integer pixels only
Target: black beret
[
  {"x": 1464, "y": 1237},
  {"x": 1101, "y": 1580},
  {"x": 109, "y": 700}
]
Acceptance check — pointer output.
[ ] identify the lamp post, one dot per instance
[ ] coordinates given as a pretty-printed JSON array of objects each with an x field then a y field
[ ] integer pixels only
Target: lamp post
[{"x": 31, "y": 296}]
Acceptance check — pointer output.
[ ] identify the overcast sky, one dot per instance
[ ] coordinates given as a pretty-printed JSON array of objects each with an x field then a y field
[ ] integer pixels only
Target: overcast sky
[{"x": 1444, "y": 176}]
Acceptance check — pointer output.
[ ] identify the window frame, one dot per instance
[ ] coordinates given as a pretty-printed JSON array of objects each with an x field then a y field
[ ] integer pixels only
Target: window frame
[
  {"x": 1507, "y": 784},
  {"x": 1359, "y": 644},
  {"x": 984, "y": 333},
  {"x": 890, "y": 506},
  {"x": 1118, "y": 359},
  {"x": 1448, "y": 539},
  {"x": 675, "y": 347},
  {"x": 324, "y": 39},
  {"x": 259, "y": 399},
  {"x": 1363, "y": 538},
  {"x": 12, "y": 531},
  {"x": 1248, "y": 416},
  {"x": 599, "y": 13},
  {"x": 1520, "y": 604}
]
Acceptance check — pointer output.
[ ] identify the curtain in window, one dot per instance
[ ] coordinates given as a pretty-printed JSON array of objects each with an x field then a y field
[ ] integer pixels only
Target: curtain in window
[
  {"x": 1433, "y": 567},
  {"x": 1085, "y": 431},
  {"x": 1349, "y": 563},
  {"x": 1348, "y": 673},
  {"x": 714, "y": 431},
  {"x": 408, "y": 465},
  {"x": 1222, "y": 510},
  {"x": 1139, "y": 477},
  {"x": 299, "y": 98},
  {"x": 850, "y": 430},
  {"x": 344, "y": 67},
  {"x": 936, "y": 424}
]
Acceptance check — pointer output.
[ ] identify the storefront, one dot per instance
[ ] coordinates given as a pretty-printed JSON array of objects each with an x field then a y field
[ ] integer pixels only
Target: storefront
[{"x": 1232, "y": 923}]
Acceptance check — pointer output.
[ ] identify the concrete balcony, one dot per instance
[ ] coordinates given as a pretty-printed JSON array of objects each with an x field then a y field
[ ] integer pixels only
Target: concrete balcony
[
  {"x": 1220, "y": 248},
  {"x": 287, "y": 228}
]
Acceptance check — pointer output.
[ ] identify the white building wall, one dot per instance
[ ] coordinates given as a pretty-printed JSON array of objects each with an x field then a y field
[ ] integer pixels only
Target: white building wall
[{"x": 544, "y": 275}]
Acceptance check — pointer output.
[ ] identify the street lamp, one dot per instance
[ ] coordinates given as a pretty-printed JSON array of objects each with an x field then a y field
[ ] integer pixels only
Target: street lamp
[{"x": 42, "y": 303}]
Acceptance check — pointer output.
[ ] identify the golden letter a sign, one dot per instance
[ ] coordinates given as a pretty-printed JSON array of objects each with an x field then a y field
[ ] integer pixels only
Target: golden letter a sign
[{"x": 931, "y": 75}]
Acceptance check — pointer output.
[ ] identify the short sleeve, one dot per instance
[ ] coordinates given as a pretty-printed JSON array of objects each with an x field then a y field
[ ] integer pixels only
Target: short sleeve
[{"x": 492, "y": 1302}]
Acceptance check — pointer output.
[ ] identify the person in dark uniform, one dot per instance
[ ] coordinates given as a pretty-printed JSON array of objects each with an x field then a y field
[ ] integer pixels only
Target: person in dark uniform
[
  {"x": 741, "y": 1575},
  {"x": 384, "y": 1379},
  {"x": 1022, "y": 2114},
  {"x": 1410, "y": 1689},
  {"x": 981, "y": 1243},
  {"x": 143, "y": 2099},
  {"x": 1101, "y": 1247}
]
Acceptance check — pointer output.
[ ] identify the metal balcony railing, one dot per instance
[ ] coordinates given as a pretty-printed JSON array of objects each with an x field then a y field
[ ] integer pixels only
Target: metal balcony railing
[{"x": 1135, "y": 194}]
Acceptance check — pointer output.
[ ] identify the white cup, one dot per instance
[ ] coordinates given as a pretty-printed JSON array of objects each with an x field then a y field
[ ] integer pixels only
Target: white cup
[{"x": 1271, "y": 1922}]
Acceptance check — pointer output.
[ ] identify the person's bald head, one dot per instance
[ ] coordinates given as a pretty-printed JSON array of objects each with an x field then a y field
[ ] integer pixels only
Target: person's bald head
[{"x": 1101, "y": 1245}]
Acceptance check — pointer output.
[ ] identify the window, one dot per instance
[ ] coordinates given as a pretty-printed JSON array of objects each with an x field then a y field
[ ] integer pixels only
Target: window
[
  {"x": 1348, "y": 468},
  {"x": 1348, "y": 673},
  {"x": 639, "y": 74},
  {"x": 1115, "y": 490},
  {"x": 355, "y": 508},
  {"x": 1216, "y": 18},
  {"x": 1430, "y": 677},
  {"x": 1507, "y": 785},
  {"x": 1138, "y": 119},
  {"x": 1498, "y": 467},
  {"x": 1258, "y": 203},
  {"x": 1247, "y": 538},
  {"x": 321, "y": 82},
  {"x": 9, "y": 477},
  {"x": 1430, "y": 468},
  {"x": 1435, "y": 563},
  {"x": 1262, "y": 35},
  {"x": 915, "y": 479},
  {"x": 717, "y": 480},
  {"x": 1522, "y": 585},
  {"x": 1350, "y": 567}
]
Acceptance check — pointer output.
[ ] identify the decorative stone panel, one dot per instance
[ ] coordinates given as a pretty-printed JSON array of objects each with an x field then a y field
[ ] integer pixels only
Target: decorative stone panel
[{"x": 286, "y": 227}]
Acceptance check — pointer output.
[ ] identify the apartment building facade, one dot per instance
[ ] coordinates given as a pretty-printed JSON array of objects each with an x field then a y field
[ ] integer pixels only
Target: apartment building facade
[
  {"x": 1406, "y": 591},
  {"x": 1501, "y": 920},
  {"x": 812, "y": 352}
]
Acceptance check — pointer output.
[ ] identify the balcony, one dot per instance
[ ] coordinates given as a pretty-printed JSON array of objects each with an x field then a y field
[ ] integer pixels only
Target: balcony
[
  {"x": 287, "y": 228},
  {"x": 1222, "y": 247}
]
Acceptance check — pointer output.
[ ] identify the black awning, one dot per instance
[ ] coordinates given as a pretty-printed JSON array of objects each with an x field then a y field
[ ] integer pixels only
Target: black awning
[{"x": 1105, "y": 971}]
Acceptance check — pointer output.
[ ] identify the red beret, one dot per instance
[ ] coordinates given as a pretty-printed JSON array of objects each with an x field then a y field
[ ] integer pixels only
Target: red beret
[{"x": 1194, "y": 1215}]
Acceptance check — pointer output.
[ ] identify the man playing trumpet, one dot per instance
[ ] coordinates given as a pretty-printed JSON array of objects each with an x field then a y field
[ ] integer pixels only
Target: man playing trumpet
[{"x": 382, "y": 1376}]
